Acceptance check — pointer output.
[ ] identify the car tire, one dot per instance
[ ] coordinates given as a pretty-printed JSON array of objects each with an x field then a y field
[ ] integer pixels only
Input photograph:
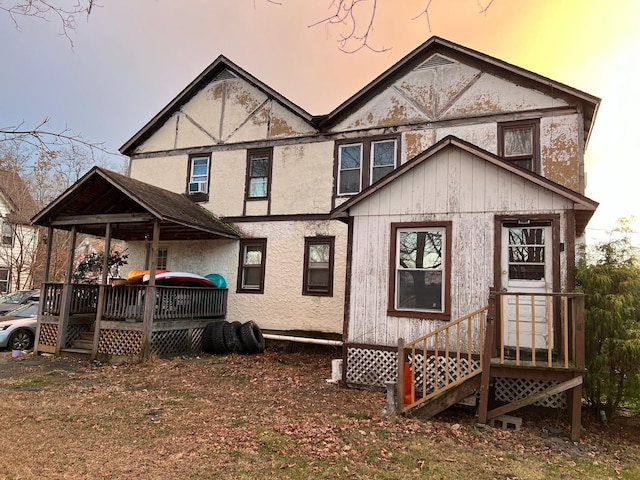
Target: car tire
[
  {"x": 216, "y": 338},
  {"x": 251, "y": 338},
  {"x": 231, "y": 339},
  {"x": 207, "y": 343},
  {"x": 21, "y": 340}
]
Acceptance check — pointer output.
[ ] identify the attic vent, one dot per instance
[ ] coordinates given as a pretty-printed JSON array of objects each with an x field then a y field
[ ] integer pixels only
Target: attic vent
[
  {"x": 224, "y": 75},
  {"x": 435, "y": 61}
]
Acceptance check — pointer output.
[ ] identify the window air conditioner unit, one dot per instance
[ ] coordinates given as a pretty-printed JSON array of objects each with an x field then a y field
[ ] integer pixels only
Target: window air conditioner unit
[{"x": 197, "y": 187}]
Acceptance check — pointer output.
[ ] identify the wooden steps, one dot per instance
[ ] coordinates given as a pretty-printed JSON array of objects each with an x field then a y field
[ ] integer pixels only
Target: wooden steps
[{"x": 447, "y": 399}]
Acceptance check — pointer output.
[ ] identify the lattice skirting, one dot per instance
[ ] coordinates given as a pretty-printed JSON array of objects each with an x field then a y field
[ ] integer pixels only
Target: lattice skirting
[
  {"x": 512, "y": 389},
  {"x": 177, "y": 342},
  {"x": 369, "y": 366},
  {"x": 48, "y": 334},
  {"x": 125, "y": 343}
]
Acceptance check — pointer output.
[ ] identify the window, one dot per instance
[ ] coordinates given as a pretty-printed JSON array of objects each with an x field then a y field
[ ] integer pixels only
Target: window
[
  {"x": 251, "y": 267},
  {"x": 198, "y": 181},
  {"x": 518, "y": 143},
  {"x": 318, "y": 266},
  {"x": 163, "y": 253},
  {"x": 420, "y": 258},
  {"x": 362, "y": 163},
  {"x": 526, "y": 253},
  {"x": 7, "y": 234},
  {"x": 4, "y": 280},
  {"x": 258, "y": 174}
]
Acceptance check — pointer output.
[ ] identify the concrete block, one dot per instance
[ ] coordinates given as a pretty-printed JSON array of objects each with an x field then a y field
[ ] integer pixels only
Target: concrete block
[{"x": 506, "y": 422}]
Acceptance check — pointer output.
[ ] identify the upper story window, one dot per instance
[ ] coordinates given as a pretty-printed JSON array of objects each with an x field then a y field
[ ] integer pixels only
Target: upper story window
[
  {"x": 258, "y": 174},
  {"x": 7, "y": 234},
  {"x": 363, "y": 163},
  {"x": 519, "y": 142},
  {"x": 421, "y": 258},
  {"x": 198, "y": 181}
]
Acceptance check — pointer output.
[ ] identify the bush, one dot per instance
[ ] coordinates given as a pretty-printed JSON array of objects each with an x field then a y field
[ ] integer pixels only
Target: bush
[{"x": 609, "y": 275}]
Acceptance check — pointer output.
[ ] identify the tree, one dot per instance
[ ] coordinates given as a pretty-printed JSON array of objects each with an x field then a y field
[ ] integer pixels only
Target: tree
[
  {"x": 609, "y": 275},
  {"x": 354, "y": 20}
]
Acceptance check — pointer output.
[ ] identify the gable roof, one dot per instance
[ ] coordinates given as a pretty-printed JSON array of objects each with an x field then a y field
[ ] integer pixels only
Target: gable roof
[
  {"x": 131, "y": 206},
  {"x": 222, "y": 67},
  {"x": 18, "y": 196},
  {"x": 446, "y": 49},
  {"x": 584, "y": 206}
]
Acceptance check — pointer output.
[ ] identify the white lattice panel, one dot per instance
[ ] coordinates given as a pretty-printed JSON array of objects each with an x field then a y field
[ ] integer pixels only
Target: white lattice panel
[
  {"x": 368, "y": 366},
  {"x": 512, "y": 389}
]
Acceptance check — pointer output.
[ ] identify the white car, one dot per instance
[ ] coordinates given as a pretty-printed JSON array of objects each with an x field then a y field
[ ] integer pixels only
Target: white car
[{"x": 18, "y": 327}]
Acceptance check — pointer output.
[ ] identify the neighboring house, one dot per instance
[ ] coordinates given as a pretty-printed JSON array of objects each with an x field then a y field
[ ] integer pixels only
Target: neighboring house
[{"x": 19, "y": 239}]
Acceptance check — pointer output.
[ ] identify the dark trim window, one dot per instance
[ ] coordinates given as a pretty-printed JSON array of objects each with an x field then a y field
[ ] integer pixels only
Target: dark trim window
[
  {"x": 199, "y": 177},
  {"x": 363, "y": 162},
  {"x": 421, "y": 270},
  {"x": 251, "y": 267},
  {"x": 7, "y": 234},
  {"x": 4, "y": 280},
  {"x": 318, "y": 266},
  {"x": 258, "y": 174},
  {"x": 163, "y": 254},
  {"x": 519, "y": 143}
]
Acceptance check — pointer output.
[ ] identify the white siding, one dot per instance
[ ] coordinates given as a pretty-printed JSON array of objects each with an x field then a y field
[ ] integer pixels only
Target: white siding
[{"x": 455, "y": 186}]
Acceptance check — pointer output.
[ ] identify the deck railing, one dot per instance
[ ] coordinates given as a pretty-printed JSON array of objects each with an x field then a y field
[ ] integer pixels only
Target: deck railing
[
  {"x": 127, "y": 301},
  {"x": 440, "y": 360},
  {"x": 541, "y": 329}
]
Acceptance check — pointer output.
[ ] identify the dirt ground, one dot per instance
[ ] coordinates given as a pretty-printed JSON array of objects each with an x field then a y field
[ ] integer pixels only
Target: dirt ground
[{"x": 267, "y": 416}]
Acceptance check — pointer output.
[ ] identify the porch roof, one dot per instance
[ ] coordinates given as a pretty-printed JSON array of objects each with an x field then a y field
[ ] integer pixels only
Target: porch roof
[{"x": 130, "y": 206}]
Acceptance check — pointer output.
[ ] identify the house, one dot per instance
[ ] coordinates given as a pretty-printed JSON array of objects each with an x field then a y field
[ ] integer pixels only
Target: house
[
  {"x": 428, "y": 224},
  {"x": 19, "y": 240}
]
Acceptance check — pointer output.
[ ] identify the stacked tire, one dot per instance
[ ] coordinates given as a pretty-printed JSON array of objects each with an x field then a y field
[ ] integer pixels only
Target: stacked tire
[{"x": 232, "y": 337}]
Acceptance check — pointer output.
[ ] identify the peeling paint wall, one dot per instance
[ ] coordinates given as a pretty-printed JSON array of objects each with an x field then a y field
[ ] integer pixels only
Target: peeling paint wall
[{"x": 559, "y": 150}]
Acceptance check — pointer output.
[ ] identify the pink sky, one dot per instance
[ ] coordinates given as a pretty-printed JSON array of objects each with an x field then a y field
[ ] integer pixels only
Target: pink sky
[{"x": 131, "y": 58}]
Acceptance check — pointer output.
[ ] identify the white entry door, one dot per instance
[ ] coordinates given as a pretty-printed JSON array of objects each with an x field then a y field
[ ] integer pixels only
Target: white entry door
[{"x": 527, "y": 267}]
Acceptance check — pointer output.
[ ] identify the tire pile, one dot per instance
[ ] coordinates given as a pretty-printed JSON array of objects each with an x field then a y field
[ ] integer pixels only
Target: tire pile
[{"x": 232, "y": 337}]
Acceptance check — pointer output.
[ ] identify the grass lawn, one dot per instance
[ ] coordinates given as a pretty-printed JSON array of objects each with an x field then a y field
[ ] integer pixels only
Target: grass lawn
[{"x": 267, "y": 416}]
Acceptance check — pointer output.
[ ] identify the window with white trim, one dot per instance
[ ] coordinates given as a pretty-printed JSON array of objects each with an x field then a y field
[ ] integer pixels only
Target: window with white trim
[
  {"x": 4, "y": 280},
  {"x": 362, "y": 163},
  {"x": 421, "y": 262},
  {"x": 198, "y": 183},
  {"x": 7, "y": 234}
]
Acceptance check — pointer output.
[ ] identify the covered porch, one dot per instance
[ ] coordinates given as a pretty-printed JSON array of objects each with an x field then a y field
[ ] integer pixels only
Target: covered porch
[{"x": 110, "y": 321}]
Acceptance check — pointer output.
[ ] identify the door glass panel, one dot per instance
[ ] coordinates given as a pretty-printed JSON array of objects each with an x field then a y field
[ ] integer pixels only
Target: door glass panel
[{"x": 526, "y": 253}]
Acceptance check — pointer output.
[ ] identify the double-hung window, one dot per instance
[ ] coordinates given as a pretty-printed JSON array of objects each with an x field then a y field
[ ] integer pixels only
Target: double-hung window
[
  {"x": 362, "y": 163},
  {"x": 318, "y": 266},
  {"x": 420, "y": 257},
  {"x": 518, "y": 142},
  {"x": 4, "y": 280},
  {"x": 258, "y": 174},
  {"x": 198, "y": 181},
  {"x": 7, "y": 234},
  {"x": 251, "y": 268}
]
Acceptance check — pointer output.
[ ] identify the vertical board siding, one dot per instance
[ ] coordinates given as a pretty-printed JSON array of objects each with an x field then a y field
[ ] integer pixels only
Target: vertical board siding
[{"x": 455, "y": 186}]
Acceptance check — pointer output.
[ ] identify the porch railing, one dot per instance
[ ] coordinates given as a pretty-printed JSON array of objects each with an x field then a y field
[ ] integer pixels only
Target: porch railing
[
  {"x": 541, "y": 329},
  {"x": 440, "y": 360},
  {"x": 127, "y": 302}
]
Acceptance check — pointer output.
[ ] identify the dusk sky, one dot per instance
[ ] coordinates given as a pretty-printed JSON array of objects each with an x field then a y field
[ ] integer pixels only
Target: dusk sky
[{"x": 130, "y": 58}]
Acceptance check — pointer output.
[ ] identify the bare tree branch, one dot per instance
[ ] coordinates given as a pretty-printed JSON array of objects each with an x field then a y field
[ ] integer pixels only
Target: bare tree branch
[{"x": 47, "y": 9}]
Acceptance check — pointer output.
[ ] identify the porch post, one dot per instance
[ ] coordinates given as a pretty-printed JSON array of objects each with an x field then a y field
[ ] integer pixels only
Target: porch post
[
  {"x": 67, "y": 291},
  {"x": 43, "y": 290},
  {"x": 150, "y": 294},
  {"x": 485, "y": 376},
  {"x": 102, "y": 290},
  {"x": 400, "y": 382},
  {"x": 574, "y": 395}
]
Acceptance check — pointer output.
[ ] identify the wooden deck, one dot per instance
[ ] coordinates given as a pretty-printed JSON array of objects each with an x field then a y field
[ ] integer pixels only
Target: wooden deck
[{"x": 130, "y": 321}]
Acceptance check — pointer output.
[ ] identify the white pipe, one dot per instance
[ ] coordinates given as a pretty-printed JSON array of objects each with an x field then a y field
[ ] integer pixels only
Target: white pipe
[{"x": 317, "y": 341}]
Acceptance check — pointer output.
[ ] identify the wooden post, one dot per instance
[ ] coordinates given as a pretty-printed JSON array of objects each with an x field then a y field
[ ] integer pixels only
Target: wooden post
[
  {"x": 150, "y": 294},
  {"x": 102, "y": 292},
  {"x": 400, "y": 382},
  {"x": 43, "y": 291},
  {"x": 574, "y": 396},
  {"x": 485, "y": 378},
  {"x": 67, "y": 292}
]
